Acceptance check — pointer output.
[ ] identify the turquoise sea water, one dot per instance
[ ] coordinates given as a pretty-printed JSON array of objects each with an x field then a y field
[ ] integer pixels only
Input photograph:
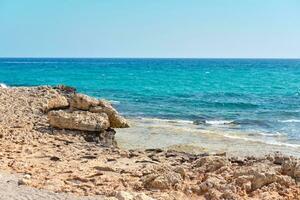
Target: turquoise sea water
[{"x": 256, "y": 97}]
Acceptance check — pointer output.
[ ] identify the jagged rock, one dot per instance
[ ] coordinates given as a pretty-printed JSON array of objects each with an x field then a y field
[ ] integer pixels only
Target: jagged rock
[
  {"x": 116, "y": 121},
  {"x": 261, "y": 179},
  {"x": 83, "y": 102},
  {"x": 162, "y": 179},
  {"x": 78, "y": 120},
  {"x": 211, "y": 163},
  {"x": 57, "y": 102},
  {"x": 292, "y": 168}
]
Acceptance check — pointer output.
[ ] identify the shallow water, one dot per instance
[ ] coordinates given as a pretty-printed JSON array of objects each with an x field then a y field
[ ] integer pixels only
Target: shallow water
[{"x": 257, "y": 101}]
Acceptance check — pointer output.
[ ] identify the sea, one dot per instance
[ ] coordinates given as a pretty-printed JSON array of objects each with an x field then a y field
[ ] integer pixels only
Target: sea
[{"x": 193, "y": 104}]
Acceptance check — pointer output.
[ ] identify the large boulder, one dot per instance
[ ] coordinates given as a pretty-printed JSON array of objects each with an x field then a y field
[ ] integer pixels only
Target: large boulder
[
  {"x": 116, "y": 121},
  {"x": 83, "y": 102},
  {"x": 78, "y": 120}
]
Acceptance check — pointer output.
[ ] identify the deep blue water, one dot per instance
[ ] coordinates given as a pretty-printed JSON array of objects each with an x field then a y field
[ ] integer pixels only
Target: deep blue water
[{"x": 252, "y": 95}]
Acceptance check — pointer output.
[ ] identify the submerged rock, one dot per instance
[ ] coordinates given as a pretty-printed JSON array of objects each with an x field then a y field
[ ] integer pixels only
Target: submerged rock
[{"x": 78, "y": 120}]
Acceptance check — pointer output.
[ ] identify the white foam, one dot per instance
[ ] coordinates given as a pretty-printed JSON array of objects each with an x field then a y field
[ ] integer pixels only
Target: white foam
[
  {"x": 114, "y": 102},
  {"x": 2, "y": 85},
  {"x": 290, "y": 121},
  {"x": 218, "y": 122}
]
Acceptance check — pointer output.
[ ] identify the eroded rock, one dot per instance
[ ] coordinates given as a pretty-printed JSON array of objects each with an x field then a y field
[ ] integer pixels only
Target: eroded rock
[
  {"x": 116, "y": 121},
  {"x": 83, "y": 102},
  {"x": 57, "y": 102},
  {"x": 78, "y": 120}
]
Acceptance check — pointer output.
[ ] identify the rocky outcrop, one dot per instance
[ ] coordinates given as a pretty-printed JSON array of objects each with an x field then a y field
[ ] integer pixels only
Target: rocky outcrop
[
  {"x": 86, "y": 103},
  {"x": 69, "y": 110},
  {"x": 116, "y": 121},
  {"x": 78, "y": 120}
]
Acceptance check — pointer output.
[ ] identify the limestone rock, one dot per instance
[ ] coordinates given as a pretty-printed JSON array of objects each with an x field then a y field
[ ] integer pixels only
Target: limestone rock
[
  {"x": 57, "y": 102},
  {"x": 162, "y": 179},
  {"x": 142, "y": 196},
  {"x": 78, "y": 120},
  {"x": 124, "y": 196},
  {"x": 292, "y": 168},
  {"x": 116, "y": 121},
  {"x": 83, "y": 102},
  {"x": 211, "y": 163},
  {"x": 262, "y": 179}
]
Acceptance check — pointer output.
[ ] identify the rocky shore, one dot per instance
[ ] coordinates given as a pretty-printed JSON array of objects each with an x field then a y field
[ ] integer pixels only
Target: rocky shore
[{"x": 60, "y": 141}]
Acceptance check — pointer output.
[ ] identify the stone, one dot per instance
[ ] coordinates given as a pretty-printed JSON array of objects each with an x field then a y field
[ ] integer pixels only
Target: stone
[
  {"x": 261, "y": 179},
  {"x": 142, "y": 196},
  {"x": 78, "y": 120},
  {"x": 211, "y": 163},
  {"x": 58, "y": 102},
  {"x": 162, "y": 180},
  {"x": 26, "y": 180},
  {"x": 291, "y": 168},
  {"x": 107, "y": 138},
  {"x": 124, "y": 196},
  {"x": 83, "y": 102},
  {"x": 116, "y": 121}
]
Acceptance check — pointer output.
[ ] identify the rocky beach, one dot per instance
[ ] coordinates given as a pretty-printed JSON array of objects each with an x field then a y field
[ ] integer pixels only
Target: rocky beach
[{"x": 54, "y": 141}]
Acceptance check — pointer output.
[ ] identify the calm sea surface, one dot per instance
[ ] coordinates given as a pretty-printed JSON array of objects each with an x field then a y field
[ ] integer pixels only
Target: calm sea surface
[{"x": 244, "y": 98}]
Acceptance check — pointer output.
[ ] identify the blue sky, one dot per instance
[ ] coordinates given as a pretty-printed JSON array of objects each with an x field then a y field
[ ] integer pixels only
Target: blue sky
[{"x": 144, "y": 28}]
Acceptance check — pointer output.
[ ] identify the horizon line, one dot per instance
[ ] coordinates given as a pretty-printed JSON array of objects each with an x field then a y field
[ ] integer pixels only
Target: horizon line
[{"x": 59, "y": 57}]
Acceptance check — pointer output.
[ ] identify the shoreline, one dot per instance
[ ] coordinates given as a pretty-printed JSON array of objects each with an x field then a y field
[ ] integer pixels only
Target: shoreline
[{"x": 64, "y": 161}]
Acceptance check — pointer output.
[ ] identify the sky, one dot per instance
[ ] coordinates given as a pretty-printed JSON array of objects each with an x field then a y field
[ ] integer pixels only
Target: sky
[{"x": 156, "y": 28}]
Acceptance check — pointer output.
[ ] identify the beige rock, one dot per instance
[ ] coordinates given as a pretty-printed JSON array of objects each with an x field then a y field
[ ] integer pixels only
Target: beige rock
[
  {"x": 142, "y": 196},
  {"x": 57, "y": 102},
  {"x": 83, "y": 102},
  {"x": 116, "y": 121},
  {"x": 292, "y": 168},
  {"x": 262, "y": 179},
  {"x": 211, "y": 163},
  {"x": 78, "y": 120},
  {"x": 162, "y": 181},
  {"x": 124, "y": 196}
]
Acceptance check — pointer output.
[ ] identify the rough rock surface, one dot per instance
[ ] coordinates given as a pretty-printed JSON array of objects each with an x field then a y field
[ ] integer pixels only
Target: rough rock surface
[
  {"x": 68, "y": 161},
  {"x": 78, "y": 120},
  {"x": 83, "y": 102}
]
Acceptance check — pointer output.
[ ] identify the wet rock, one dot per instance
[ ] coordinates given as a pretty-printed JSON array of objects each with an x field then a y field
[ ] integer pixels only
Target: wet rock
[
  {"x": 83, "y": 102},
  {"x": 78, "y": 120},
  {"x": 199, "y": 121}
]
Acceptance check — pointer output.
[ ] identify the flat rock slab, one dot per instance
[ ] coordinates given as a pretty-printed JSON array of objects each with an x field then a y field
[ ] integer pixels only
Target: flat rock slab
[
  {"x": 78, "y": 120},
  {"x": 10, "y": 190}
]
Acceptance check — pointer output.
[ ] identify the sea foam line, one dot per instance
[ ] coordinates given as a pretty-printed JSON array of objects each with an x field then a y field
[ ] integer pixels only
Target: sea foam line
[{"x": 2, "y": 85}]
